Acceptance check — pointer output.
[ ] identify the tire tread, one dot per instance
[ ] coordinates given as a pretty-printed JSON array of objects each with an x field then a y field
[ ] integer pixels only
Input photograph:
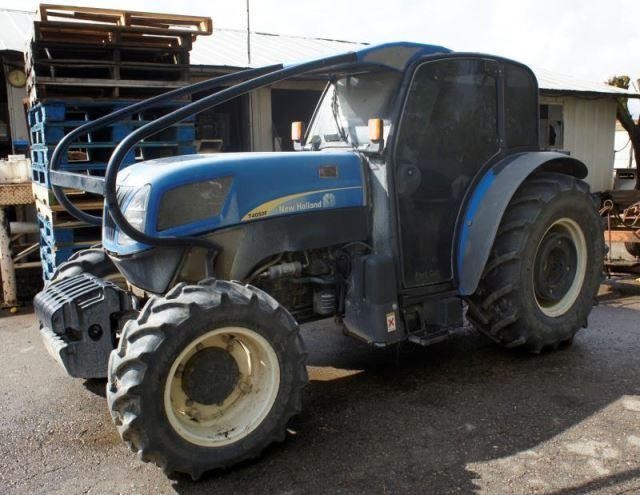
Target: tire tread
[{"x": 493, "y": 308}]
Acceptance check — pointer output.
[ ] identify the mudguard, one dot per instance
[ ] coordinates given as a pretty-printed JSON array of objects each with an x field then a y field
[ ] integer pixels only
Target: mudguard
[{"x": 488, "y": 203}]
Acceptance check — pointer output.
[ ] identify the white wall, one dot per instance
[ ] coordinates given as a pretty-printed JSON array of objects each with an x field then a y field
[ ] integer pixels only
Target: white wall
[
  {"x": 624, "y": 150},
  {"x": 589, "y": 134}
]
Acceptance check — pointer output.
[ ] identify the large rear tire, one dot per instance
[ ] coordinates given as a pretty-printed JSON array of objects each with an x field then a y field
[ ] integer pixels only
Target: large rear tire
[
  {"x": 543, "y": 274},
  {"x": 206, "y": 377}
]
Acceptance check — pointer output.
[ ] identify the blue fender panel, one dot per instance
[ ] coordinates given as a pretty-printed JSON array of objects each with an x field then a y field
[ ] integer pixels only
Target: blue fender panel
[{"x": 490, "y": 200}]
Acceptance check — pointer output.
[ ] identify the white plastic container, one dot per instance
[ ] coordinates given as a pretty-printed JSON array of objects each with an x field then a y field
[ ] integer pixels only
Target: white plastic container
[{"x": 14, "y": 169}]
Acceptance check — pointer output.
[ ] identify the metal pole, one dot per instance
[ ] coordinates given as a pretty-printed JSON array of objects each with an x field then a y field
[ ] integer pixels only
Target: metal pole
[
  {"x": 248, "y": 36},
  {"x": 7, "y": 270},
  {"x": 250, "y": 95}
]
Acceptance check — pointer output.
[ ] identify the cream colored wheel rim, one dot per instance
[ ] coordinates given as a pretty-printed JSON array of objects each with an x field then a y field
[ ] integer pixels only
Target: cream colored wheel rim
[
  {"x": 571, "y": 228},
  {"x": 244, "y": 408}
]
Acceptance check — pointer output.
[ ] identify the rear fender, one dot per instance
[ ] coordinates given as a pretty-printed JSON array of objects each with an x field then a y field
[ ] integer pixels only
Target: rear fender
[{"x": 488, "y": 203}]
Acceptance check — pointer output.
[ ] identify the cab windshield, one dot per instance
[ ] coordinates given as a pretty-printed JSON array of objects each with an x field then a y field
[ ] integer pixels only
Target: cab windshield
[{"x": 347, "y": 105}]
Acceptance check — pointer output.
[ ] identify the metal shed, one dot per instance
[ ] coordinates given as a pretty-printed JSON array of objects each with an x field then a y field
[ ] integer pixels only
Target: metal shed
[{"x": 580, "y": 117}]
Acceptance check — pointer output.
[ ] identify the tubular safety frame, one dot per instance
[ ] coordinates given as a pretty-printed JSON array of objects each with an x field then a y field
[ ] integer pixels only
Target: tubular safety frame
[
  {"x": 252, "y": 79},
  {"x": 61, "y": 179}
]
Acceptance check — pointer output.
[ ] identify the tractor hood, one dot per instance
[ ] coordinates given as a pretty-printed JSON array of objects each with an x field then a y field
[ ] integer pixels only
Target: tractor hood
[{"x": 195, "y": 194}]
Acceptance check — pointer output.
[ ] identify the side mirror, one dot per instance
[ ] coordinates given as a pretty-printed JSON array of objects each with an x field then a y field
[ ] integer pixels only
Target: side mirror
[
  {"x": 297, "y": 133},
  {"x": 376, "y": 134}
]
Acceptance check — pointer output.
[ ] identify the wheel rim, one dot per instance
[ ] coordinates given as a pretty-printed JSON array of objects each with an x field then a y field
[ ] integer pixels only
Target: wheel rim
[
  {"x": 243, "y": 374},
  {"x": 560, "y": 267}
]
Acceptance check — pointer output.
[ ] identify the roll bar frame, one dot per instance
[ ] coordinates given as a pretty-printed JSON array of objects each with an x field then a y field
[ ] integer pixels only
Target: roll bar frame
[
  {"x": 96, "y": 184},
  {"x": 252, "y": 79}
]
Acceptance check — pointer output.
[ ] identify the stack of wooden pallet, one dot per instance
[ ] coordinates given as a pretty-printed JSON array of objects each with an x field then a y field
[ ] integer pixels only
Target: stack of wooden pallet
[
  {"x": 109, "y": 53},
  {"x": 82, "y": 64}
]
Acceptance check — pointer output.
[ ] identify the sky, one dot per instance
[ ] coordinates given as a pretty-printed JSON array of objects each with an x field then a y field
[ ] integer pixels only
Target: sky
[{"x": 587, "y": 39}]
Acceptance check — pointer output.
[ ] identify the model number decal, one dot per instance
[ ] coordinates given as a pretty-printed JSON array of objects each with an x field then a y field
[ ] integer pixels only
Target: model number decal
[{"x": 256, "y": 214}]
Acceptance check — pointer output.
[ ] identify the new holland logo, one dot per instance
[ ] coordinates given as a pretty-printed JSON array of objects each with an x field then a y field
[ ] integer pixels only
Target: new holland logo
[
  {"x": 298, "y": 206},
  {"x": 328, "y": 200},
  {"x": 296, "y": 203}
]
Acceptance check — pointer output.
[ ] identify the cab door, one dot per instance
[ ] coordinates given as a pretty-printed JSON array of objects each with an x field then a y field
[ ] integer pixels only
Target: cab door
[{"x": 447, "y": 130}]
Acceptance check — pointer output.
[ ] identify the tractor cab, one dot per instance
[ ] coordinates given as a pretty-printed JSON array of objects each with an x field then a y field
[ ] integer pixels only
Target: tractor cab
[{"x": 432, "y": 124}]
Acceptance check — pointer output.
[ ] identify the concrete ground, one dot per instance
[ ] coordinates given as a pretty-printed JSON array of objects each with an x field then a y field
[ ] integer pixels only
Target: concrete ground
[{"x": 462, "y": 416}]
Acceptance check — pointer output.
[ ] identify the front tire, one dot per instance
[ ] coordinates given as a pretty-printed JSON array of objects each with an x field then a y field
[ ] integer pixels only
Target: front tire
[
  {"x": 206, "y": 377},
  {"x": 93, "y": 261},
  {"x": 543, "y": 274}
]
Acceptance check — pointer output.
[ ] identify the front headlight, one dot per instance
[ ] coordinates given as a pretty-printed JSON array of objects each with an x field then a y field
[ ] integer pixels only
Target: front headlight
[{"x": 135, "y": 212}]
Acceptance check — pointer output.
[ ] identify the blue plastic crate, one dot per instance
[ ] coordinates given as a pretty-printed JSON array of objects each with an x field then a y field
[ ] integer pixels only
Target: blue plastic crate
[
  {"x": 41, "y": 155},
  {"x": 52, "y": 133},
  {"x": 47, "y": 271},
  {"x": 40, "y": 171},
  {"x": 52, "y": 256},
  {"x": 68, "y": 109}
]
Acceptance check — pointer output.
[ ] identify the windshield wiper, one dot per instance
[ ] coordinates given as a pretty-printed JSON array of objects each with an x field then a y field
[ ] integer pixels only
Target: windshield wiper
[{"x": 336, "y": 118}]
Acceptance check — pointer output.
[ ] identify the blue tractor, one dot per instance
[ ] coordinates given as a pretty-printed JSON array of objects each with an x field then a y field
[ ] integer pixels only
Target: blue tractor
[{"x": 417, "y": 192}]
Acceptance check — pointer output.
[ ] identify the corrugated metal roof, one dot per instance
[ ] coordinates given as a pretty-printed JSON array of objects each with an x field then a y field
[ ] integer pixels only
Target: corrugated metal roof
[
  {"x": 554, "y": 81},
  {"x": 16, "y": 27},
  {"x": 228, "y": 48}
]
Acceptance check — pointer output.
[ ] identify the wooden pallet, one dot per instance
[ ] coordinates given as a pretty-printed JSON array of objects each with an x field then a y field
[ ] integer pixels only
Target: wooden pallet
[
  {"x": 61, "y": 87},
  {"x": 38, "y": 51},
  {"x": 45, "y": 196},
  {"x": 108, "y": 53},
  {"x": 91, "y": 69},
  {"x": 101, "y": 35},
  {"x": 57, "y": 216},
  {"x": 164, "y": 23}
]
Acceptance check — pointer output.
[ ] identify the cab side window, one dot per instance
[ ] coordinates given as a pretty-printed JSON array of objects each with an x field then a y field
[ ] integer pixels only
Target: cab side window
[
  {"x": 520, "y": 106},
  {"x": 448, "y": 130}
]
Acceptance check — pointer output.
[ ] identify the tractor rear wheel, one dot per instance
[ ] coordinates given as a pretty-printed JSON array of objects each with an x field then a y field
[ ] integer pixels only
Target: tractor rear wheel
[
  {"x": 543, "y": 274},
  {"x": 93, "y": 261},
  {"x": 206, "y": 377}
]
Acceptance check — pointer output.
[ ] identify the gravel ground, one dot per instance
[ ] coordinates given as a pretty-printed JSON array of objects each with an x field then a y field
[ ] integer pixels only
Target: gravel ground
[{"x": 462, "y": 416}]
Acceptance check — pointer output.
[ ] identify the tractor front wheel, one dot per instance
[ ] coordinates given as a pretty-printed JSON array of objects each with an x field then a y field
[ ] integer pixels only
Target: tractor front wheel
[
  {"x": 206, "y": 377},
  {"x": 93, "y": 261},
  {"x": 543, "y": 274}
]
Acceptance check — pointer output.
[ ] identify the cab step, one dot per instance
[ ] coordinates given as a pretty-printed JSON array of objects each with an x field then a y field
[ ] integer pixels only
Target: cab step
[{"x": 429, "y": 336}]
